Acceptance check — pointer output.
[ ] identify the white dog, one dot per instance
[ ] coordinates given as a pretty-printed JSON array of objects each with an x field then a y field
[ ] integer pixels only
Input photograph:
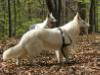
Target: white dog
[
  {"x": 47, "y": 23},
  {"x": 34, "y": 41}
]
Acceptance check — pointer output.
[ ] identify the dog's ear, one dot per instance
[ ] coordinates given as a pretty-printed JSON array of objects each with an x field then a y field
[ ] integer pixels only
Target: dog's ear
[
  {"x": 48, "y": 15},
  {"x": 77, "y": 17}
]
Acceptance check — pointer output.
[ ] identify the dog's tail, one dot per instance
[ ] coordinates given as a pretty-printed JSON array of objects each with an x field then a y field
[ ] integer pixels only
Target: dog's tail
[{"x": 13, "y": 52}]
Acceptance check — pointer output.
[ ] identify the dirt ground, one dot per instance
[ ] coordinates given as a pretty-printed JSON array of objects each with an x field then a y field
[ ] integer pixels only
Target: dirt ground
[{"x": 86, "y": 60}]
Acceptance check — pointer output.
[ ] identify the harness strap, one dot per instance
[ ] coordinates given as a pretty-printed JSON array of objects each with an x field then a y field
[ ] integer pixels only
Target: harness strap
[{"x": 63, "y": 41}]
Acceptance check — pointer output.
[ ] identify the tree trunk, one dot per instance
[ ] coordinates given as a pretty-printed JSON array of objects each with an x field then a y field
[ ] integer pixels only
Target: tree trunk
[
  {"x": 92, "y": 17},
  {"x": 3, "y": 19},
  {"x": 9, "y": 18},
  {"x": 54, "y": 6},
  {"x": 82, "y": 10},
  {"x": 14, "y": 9},
  {"x": 29, "y": 11},
  {"x": 50, "y": 5},
  {"x": 58, "y": 12}
]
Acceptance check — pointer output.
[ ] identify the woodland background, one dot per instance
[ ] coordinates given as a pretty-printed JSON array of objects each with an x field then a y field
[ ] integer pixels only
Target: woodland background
[{"x": 16, "y": 16}]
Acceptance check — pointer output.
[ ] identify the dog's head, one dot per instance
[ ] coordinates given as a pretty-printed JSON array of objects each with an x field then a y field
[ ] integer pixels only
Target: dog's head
[
  {"x": 51, "y": 20},
  {"x": 82, "y": 24},
  {"x": 51, "y": 17}
]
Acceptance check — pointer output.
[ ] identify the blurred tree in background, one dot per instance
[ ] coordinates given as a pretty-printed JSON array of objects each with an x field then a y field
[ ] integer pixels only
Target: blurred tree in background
[{"x": 16, "y": 16}]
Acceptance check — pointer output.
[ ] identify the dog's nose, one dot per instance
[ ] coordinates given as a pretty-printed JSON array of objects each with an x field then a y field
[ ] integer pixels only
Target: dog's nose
[{"x": 83, "y": 31}]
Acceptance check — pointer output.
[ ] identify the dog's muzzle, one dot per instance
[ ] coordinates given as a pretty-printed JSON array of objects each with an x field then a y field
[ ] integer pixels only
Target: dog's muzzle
[{"x": 83, "y": 31}]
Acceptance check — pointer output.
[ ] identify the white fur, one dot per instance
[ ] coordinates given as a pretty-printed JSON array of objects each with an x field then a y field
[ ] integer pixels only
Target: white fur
[
  {"x": 34, "y": 41},
  {"x": 45, "y": 23}
]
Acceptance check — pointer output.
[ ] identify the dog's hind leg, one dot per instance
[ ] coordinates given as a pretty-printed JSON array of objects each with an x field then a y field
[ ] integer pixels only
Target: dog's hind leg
[{"x": 58, "y": 56}]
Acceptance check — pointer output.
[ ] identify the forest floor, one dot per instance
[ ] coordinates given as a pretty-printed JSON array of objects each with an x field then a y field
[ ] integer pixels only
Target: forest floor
[{"x": 86, "y": 60}]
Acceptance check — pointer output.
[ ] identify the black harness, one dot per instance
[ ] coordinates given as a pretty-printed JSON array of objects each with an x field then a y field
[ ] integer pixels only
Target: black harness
[{"x": 63, "y": 41}]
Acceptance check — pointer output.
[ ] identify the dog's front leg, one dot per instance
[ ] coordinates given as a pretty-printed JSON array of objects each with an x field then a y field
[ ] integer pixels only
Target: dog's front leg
[
  {"x": 17, "y": 61},
  {"x": 58, "y": 56},
  {"x": 67, "y": 56}
]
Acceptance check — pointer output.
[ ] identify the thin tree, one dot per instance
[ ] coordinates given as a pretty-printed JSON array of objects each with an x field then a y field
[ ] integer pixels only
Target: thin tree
[
  {"x": 92, "y": 15},
  {"x": 2, "y": 21},
  {"x": 29, "y": 10},
  {"x": 15, "y": 22},
  {"x": 9, "y": 18},
  {"x": 82, "y": 10}
]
